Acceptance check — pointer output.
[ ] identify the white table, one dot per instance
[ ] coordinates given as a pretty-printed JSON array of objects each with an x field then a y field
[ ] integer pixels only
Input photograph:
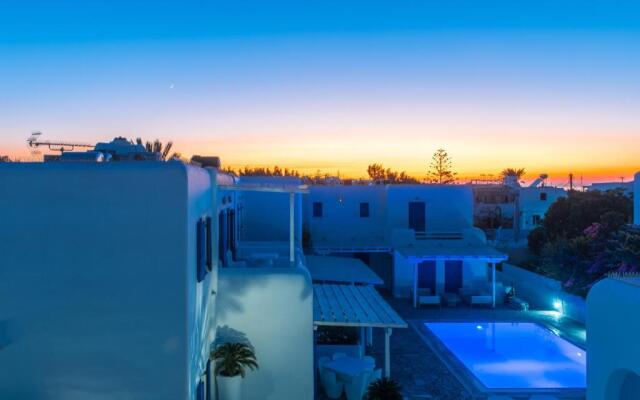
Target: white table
[
  {"x": 349, "y": 366},
  {"x": 263, "y": 258}
]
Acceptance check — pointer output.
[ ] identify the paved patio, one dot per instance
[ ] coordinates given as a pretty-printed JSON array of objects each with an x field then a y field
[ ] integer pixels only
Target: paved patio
[{"x": 421, "y": 372}]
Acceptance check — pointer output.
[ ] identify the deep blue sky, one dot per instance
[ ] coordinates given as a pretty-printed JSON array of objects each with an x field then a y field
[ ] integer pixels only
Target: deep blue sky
[{"x": 538, "y": 83}]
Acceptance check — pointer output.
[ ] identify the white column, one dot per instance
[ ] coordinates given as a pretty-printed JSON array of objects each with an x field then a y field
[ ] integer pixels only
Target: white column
[
  {"x": 387, "y": 358},
  {"x": 292, "y": 256},
  {"x": 493, "y": 288}
]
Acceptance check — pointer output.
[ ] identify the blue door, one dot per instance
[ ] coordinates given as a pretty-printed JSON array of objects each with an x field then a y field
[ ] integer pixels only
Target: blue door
[
  {"x": 417, "y": 216},
  {"x": 427, "y": 275},
  {"x": 452, "y": 276}
]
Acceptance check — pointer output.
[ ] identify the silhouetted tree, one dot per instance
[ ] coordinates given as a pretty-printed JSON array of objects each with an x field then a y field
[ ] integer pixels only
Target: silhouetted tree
[
  {"x": 376, "y": 172},
  {"x": 441, "y": 168},
  {"x": 157, "y": 147},
  {"x": 379, "y": 174},
  {"x": 517, "y": 172},
  {"x": 5, "y": 159},
  {"x": 262, "y": 171}
]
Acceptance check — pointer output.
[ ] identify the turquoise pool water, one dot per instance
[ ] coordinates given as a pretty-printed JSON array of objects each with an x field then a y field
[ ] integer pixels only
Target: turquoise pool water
[{"x": 518, "y": 355}]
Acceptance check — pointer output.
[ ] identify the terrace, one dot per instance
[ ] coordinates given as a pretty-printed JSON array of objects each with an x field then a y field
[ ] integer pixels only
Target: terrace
[{"x": 425, "y": 373}]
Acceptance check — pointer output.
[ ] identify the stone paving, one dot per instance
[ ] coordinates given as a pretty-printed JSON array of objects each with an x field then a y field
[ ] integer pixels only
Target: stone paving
[{"x": 421, "y": 372}]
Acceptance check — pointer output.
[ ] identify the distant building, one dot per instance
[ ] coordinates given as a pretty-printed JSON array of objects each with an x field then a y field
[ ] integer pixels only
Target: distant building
[
  {"x": 626, "y": 187},
  {"x": 418, "y": 238},
  {"x": 512, "y": 209},
  {"x": 533, "y": 203}
]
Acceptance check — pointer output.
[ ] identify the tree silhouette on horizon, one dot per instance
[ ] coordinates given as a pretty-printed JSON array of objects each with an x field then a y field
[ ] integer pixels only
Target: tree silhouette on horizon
[{"x": 441, "y": 169}]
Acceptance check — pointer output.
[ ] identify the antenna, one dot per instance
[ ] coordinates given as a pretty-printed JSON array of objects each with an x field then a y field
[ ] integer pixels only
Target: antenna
[{"x": 34, "y": 142}]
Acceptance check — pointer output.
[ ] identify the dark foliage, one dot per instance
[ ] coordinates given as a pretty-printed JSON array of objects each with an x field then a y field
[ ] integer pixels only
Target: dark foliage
[
  {"x": 384, "y": 389},
  {"x": 337, "y": 335},
  {"x": 568, "y": 217},
  {"x": 584, "y": 237}
]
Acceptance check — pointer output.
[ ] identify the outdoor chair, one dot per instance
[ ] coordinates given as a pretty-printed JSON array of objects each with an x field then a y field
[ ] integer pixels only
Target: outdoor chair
[
  {"x": 480, "y": 299},
  {"x": 426, "y": 298},
  {"x": 321, "y": 362},
  {"x": 338, "y": 355},
  {"x": 356, "y": 388},
  {"x": 332, "y": 386}
]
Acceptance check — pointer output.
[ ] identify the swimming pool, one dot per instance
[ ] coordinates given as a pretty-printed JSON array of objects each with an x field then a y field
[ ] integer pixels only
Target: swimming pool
[{"x": 514, "y": 355}]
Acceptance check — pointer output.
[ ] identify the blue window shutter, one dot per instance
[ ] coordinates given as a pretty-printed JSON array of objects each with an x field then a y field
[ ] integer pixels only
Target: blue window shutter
[
  {"x": 317, "y": 209},
  {"x": 201, "y": 251},
  {"x": 221, "y": 255},
  {"x": 209, "y": 380},
  {"x": 364, "y": 210},
  {"x": 200, "y": 391},
  {"x": 208, "y": 239}
]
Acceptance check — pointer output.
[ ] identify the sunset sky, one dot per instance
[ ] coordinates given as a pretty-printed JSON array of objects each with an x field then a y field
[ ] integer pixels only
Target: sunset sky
[{"x": 551, "y": 86}]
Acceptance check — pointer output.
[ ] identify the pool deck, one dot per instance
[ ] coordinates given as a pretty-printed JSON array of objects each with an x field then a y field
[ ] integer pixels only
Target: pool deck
[{"x": 423, "y": 374}]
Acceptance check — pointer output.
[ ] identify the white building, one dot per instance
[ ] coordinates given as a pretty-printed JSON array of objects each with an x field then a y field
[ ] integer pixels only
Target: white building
[
  {"x": 613, "y": 355},
  {"x": 426, "y": 229},
  {"x": 533, "y": 203},
  {"x": 626, "y": 187},
  {"x": 115, "y": 285}
]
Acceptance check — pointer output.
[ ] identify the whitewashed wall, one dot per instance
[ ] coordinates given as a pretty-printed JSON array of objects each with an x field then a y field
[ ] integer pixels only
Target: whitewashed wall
[
  {"x": 449, "y": 208},
  {"x": 530, "y": 203},
  {"x": 273, "y": 309},
  {"x": 613, "y": 328},
  {"x": 341, "y": 223},
  {"x": 98, "y": 291}
]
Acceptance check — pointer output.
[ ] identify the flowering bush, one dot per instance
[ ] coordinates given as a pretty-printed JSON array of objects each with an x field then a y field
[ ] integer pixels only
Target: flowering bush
[{"x": 585, "y": 237}]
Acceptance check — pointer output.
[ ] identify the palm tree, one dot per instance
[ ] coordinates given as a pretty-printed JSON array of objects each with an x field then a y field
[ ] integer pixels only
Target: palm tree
[
  {"x": 517, "y": 172},
  {"x": 157, "y": 147},
  {"x": 232, "y": 359}
]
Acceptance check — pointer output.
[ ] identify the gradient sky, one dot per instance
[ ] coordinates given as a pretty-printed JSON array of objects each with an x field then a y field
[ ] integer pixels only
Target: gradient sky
[{"x": 552, "y": 86}]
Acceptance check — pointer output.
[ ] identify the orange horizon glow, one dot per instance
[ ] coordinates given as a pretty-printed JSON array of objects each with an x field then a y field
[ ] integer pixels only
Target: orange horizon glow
[{"x": 469, "y": 162}]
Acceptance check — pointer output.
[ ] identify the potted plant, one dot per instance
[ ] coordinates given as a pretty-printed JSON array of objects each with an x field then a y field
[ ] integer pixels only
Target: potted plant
[
  {"x": 231, "y": 363},
  {"x": 384, "y": 389}
]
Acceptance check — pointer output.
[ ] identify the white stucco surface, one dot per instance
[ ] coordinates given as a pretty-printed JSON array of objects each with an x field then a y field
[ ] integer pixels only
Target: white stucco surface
[{"x": 613, "y": 328}]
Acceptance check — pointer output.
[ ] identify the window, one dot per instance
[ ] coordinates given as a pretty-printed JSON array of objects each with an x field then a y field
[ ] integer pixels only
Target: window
[
  {"x": 204, "y": 253},
  {"x": 543, "y": 196},
  {"x": 364, "y": 210},
  {"x": 209, "y": 239},
  {"x": 201, "y": 249},
  {"x": 221, "y": 237},
  {"x": 208, "y": 380},
  {"x": 200, "y": 391},
  {"x": 317, "y": 209}
]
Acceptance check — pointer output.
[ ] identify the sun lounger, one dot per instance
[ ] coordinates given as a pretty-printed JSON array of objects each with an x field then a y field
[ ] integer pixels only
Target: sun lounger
[{"x": 478, "y": 300}]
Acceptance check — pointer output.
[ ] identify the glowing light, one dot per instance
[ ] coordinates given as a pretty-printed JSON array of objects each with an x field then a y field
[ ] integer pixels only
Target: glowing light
[
  {"x": 557, "y": 304},
  {"x": 479, "y": 327}
]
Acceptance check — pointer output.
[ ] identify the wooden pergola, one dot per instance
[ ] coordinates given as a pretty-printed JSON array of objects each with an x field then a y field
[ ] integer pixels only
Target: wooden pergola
[{"x": 355, "y": 306}]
